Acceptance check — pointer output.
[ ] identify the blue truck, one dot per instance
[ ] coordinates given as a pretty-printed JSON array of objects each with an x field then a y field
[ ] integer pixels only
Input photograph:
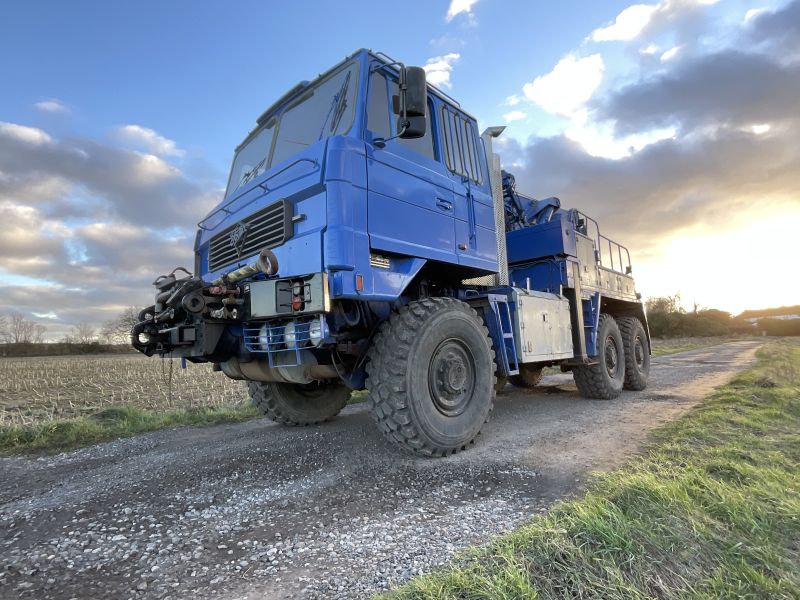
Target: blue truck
[{"x": 369, "y": 239}]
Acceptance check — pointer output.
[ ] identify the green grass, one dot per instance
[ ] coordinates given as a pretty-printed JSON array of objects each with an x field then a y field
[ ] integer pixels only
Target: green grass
[
  {"x": 711, "y": 509},
  {"x": 111, "y": 423}
]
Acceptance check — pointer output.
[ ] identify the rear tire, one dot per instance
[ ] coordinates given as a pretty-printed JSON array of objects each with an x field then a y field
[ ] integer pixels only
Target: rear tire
[
  {"x": 299, "y": 405},
  {"x": 529, "y": 376},
  {"x": 637, "y": 353},
  {"x": 604, "y": 379},
  {"x": 431, "y": 376}
]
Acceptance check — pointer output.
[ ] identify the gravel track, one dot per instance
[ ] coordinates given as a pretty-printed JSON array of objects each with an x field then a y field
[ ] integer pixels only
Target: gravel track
[{"x": 255, "y": 510}]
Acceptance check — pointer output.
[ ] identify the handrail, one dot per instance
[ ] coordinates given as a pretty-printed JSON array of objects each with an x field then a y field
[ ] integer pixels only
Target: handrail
[
  {"x": 262, "y": 185},
  {"x": 622, "y": 266}
]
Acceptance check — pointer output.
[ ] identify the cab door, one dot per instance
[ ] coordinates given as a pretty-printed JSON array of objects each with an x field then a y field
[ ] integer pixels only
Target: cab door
[
  {"x": 476, "y": 236},
  {"x": 410, "y": 203}
]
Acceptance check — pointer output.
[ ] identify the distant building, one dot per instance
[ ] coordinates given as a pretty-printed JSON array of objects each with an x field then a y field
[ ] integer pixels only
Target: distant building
[{"x": 784, "y": 313}]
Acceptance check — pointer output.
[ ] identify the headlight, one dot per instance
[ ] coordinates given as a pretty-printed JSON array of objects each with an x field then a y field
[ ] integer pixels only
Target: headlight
[
  {"x": 290, "y": 335},
  {"x": 315, "y": 331},
  {"x": 263, "y": 337}
]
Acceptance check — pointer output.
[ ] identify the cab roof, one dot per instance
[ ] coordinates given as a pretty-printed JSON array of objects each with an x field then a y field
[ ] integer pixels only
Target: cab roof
[{"x": 298, "y": 88}]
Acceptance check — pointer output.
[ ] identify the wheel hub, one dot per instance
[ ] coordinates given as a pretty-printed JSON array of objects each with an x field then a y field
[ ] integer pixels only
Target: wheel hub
[
  {"x": 451, "y": 377},
  {"x": 638, "y": 352},
  {"x": 611, "y": 356}
]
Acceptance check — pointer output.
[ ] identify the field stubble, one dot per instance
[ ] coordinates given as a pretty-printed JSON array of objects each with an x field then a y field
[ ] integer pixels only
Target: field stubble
[{"x": 57, "y": 388}]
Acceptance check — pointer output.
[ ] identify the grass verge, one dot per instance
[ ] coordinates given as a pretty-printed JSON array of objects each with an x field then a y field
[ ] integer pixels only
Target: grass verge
[
  {"x": 710, "y": 510},
  {"x": 110, "y": 423}
]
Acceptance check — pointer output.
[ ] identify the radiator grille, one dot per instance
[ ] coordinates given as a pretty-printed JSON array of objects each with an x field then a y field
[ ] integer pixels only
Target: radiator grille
[{"x": 268, "y": 228}]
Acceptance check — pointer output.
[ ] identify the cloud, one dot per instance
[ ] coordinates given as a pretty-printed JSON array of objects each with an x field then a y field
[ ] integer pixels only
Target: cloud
[
  {"x": 514, "y": 115},
  {"x": 753, "y": 12},
  {"x": 140, "y": 188},
  {"x": 24, "y": 134},
  {"x": 52, "y": 106},
  {"x": 438, "y": 69},
  {"x": 568, "y": 87},
  {"x": 728, "y": 158},
  {"x": 682, "y": 18},
  {"x": 628, "y": 24},
  {"x": 47, "y": 315},
  {"x": 512, "y": 100},
  {"x": 25, "y": 240},
  {"x": 147, "y": 138},
  {"x": 88, "y": 225},
  {"x": 670, "y": 54},
  {"x": 710, "y": 90},
  {"x": 671, "y": 186},
  {"x": 777, "y": 32},
  {"x": 458, "y": 7}
]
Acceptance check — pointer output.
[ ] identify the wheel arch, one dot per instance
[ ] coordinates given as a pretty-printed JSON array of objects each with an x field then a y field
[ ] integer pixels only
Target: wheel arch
[{"x": 625, "y": 308}]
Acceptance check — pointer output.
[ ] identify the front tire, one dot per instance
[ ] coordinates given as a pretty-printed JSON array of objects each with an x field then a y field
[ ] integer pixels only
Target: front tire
[
  {"x": 299, "y": 405},
  {"x": 637, "y": 353},
  {"x": 431, "y": 376},
  {"x": 604, "y": 379}
]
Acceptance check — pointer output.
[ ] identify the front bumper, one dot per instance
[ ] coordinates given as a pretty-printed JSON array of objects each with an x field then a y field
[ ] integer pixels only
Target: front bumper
[{"x": 249, "y": 320}]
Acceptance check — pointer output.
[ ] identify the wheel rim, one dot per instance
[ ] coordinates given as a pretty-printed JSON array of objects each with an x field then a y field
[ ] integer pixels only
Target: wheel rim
[
  {"x": 451, "y": 377},
  {"x": 638, "y": 352},
  {"x": 611, "y": 356}
]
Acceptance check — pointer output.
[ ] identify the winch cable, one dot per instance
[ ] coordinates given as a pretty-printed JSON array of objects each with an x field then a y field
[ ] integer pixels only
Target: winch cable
[{"x": 167, "y": 378}]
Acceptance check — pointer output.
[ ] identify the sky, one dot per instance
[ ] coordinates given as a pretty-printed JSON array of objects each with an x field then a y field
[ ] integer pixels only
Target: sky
[{"x": 676, "y": 124}]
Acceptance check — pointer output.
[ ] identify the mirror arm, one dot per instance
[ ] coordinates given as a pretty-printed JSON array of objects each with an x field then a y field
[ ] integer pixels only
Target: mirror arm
[{"x": 381, "y": 142}]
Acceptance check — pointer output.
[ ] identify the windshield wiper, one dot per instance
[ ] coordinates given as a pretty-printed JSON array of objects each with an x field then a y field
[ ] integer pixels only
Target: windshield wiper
[
  {"x": 338, "y": 104},
  {"x": 248, "y": 175}
]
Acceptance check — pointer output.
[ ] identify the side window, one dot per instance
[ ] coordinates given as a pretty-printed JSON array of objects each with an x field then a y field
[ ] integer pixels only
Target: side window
[
  {"x": 461, "y": 150},
  {"x": 378, "y": 120},
  {"x": 450, "y": 152},
  {"x": 423, "y": 145}
]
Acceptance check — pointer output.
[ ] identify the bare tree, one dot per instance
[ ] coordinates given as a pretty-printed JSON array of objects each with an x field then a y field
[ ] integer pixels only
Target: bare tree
[
  {"x": 665, "y": 304},
  {"x": 39, "y": 331},
  {"x": 3, "y": 329},
  {"x": 83, "y": 333},
  {"x": 118, "y": 329},
  {"x": 20, "y": 329}
]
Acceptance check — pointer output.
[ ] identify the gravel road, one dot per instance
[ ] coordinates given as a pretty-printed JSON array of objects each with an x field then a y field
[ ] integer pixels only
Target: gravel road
[{"x": 255, "y": 510}]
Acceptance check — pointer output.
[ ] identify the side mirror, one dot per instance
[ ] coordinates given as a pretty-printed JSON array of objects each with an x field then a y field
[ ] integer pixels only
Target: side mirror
[{"x": 413, "y": 102}]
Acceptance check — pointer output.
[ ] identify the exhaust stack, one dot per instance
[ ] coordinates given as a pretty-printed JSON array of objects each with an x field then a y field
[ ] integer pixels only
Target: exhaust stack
[{"x": 267, "y": 263}]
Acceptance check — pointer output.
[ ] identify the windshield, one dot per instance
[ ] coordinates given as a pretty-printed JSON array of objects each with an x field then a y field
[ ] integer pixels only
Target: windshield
[
  {"x": 324, "y": 110},
  {"x": 252, "y": 158}
]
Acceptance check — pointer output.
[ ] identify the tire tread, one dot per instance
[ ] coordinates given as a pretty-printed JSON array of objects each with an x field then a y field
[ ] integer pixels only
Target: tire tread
[
  {"x": 386, "y": 374},
  {"x": 266, "y": 397},
  {"x": 590, "y": 379}
]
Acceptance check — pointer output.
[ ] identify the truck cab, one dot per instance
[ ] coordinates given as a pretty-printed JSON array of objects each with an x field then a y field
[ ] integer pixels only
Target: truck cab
[
  {"x": 366, "y": 240},
  {"x": 311, "y": 183}
]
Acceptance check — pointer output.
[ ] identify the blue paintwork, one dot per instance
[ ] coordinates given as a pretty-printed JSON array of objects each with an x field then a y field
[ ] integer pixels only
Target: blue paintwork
[
  {"x": 591, "y": 322},
  {"x": 357, "y": 198},
  {"x": 556, "y": 238},
  {"x": 354, "y": 198}
]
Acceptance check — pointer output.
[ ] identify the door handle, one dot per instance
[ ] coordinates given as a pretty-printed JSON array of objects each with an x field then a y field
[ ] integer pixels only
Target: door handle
[{"x": 444, "y": 204}]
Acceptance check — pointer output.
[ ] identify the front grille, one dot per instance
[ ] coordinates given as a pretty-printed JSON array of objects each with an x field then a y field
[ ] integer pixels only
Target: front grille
[{"x": 268, "y": 228}]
